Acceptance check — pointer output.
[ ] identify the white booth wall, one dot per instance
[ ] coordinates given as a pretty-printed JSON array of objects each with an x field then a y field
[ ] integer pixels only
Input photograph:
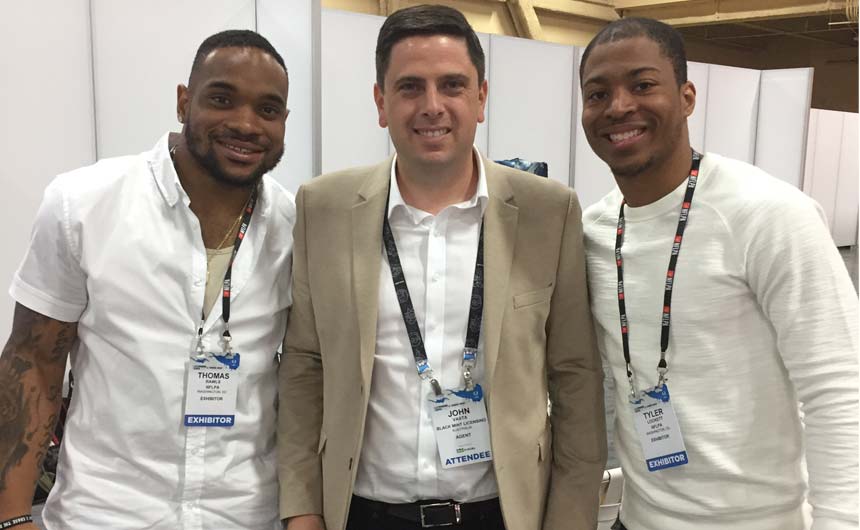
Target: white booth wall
[{"x": 832, "y": 169}]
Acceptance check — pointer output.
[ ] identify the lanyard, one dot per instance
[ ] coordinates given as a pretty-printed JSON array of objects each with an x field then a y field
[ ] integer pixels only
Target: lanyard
[
  {"x": 228, "y": 275},
  {"x": 476, "y": 308},
  {"x": 662, "y": 366}
]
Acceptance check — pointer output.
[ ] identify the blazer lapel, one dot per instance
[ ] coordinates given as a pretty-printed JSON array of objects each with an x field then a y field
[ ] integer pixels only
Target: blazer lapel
[
  {"x": 367, "y": 215},
  {"x": 500, "y": 230}
]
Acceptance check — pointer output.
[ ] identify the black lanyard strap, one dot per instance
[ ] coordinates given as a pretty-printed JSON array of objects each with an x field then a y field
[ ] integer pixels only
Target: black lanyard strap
[
  {"x": 228, "y": 275},
  {"x": 407, "y": 310},
  {"x": 662, "y": 366}
]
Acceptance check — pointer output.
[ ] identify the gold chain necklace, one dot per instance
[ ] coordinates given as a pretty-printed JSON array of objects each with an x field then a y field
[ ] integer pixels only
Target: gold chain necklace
[{"x": 231, "y": 230}]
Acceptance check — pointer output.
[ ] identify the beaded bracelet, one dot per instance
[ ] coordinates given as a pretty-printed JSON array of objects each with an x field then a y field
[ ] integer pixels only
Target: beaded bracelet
[{"x": 15, "y": 521}]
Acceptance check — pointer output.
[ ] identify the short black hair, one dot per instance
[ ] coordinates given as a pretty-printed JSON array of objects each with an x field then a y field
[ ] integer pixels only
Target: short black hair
[
  {"x": 234, "y": 38},
  {"x": 425, "y": 20},
  {"x": 665, "y": 36}
]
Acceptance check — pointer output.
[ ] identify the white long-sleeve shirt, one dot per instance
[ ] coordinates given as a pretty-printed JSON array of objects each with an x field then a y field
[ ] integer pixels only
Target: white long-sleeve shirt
[{"x": 764, "y": 317}]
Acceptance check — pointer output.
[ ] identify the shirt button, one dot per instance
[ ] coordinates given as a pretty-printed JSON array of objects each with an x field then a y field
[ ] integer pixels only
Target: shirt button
[{"x": 198, "y": 282}]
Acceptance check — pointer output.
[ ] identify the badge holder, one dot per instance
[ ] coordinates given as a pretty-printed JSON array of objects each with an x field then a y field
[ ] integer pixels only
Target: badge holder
[
  {"x": 210, "y": 397},
  {"x": 657, "y": 425},
  {"x": 460, "y": 421},
  {"x": 213, "y": 380},
  {"x": 653, "y": 414}
]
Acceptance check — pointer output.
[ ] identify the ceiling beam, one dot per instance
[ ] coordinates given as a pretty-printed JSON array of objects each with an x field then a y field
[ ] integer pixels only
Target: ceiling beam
[
  {"x": 578, "y": 8},
  {"x": 634, "y": 4},
  {"x": 773, "y": 31},
  {"x": 675, "y": 17},
  {"x": 525, "y": 19}
]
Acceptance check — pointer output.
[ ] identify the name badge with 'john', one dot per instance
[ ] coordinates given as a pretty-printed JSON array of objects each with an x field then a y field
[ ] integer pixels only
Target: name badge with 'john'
[{"x": 461, "y": 427}]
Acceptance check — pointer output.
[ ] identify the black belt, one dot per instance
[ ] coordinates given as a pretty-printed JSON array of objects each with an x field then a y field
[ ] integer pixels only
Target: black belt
[{"x": 431, "y": 513}]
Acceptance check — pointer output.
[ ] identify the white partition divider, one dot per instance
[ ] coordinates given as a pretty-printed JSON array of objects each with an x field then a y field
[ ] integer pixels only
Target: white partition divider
[
  {"x": 592, "y": 178},
  {"x": 732, "y": 111},
  {"x": 784, "y": 99},
  {"x": 846, "y": 209},
  {"x": 822, "y": 159},
  {"x": 351, "y": 135},
  {"x": 698, "y": 74},
  {"x": 47, "y": 127},
  {"x": 142, "y": 51},
  {"x": 831, "y": 171},
  {"x": 293, "y": 29},
  {"x": 530, "y": 100}
]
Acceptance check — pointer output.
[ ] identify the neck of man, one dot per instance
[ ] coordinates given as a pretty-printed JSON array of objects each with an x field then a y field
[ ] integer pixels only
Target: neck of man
[
  {"x": 656, "y": 182},
  {"x": 216, "y": 205},
  {"x": 432, "y": 189}
]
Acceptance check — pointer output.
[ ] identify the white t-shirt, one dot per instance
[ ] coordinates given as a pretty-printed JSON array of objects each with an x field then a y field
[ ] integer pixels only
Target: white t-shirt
[
  {"x": 116, "y": 248},
  {"x": 763, "y": 316}
]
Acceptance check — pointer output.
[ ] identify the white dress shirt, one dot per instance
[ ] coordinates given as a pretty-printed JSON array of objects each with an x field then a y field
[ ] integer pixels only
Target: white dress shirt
[
  {"x": 399, "y": 460},
  {"x": 116, "y": 248}
]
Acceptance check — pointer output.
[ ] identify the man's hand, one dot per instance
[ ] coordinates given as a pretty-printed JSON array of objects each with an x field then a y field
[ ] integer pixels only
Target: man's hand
[{"x": 305, "y": 522}]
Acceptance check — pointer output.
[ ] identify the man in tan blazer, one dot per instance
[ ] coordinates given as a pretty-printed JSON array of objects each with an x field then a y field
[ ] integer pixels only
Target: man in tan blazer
[{"x": 396, "y": 267}]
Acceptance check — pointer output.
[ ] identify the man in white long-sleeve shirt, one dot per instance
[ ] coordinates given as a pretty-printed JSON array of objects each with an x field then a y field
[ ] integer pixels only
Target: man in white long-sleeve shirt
[{"x": 717, "y": 281}]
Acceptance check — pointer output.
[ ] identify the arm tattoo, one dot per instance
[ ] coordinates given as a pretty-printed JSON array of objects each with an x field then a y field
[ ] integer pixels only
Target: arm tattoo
[{"x": 27, "y": 404}]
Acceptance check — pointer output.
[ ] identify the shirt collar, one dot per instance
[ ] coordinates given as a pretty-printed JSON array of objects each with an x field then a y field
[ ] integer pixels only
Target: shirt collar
[
  {"x": 480, "y": 198},
  {"x": 163, "y": 171}
]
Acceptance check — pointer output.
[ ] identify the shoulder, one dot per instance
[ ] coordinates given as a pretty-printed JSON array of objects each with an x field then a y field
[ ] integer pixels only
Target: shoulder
[
  {"x": 282, "y": 203},
  {"x": 529, "y": 189},
  {"x": 94, "y": 182},
  {"x": 741, "y": 192},
  {"x": 604, "y": 211},
  {"x": 340, "y": 182}
]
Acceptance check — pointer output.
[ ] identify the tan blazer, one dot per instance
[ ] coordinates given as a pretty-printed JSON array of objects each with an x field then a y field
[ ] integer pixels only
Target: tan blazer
[{"x": 538, "y": 338}]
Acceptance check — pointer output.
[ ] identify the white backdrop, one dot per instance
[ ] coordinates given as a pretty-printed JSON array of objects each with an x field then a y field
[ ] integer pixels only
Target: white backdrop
[{"x": 832, "y": 169}]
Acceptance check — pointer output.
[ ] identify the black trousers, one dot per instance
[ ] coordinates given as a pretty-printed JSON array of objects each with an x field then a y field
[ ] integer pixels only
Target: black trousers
[
  {"x": 364, "y": 517},
  {"x": 618, "y": 525}
]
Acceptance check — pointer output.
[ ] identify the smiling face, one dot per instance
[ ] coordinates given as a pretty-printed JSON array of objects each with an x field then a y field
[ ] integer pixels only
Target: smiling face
[
  {"x": 431, "y": 102},
  {"x": 234, "y": 114},
  {"x": 634, "y": 112}
]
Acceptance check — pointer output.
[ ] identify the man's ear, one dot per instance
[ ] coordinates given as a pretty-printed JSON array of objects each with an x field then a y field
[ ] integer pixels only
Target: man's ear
[
  {"x": 482, "y": 98},
  {"x": 182, "y": 100},
  {"x": 379, "y": 99},
  {"x": 688, "y": 98}
]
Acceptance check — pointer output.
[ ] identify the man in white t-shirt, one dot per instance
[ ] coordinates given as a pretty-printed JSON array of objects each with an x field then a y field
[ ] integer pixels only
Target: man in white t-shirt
[
  {"x": 717, "y": 281},
  {"x": 166, "y": 274}
]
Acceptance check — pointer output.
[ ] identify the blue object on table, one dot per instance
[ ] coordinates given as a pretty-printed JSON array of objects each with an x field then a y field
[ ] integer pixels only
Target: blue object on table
[{"x": 538, "y": 168}]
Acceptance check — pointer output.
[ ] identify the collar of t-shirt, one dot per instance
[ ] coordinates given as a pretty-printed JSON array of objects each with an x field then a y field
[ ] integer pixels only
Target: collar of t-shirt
[{"x": 396, "y": 202}]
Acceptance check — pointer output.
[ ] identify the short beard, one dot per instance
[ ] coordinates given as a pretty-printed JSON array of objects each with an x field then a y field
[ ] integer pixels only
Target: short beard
[
  {"x": 210, "y": 163},
  {"x": 654, "y": 160},
  {"x": 633, "y": 170}
]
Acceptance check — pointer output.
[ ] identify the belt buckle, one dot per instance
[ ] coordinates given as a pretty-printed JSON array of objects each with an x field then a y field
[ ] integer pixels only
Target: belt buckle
[{"x": 457, "y": 517}]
